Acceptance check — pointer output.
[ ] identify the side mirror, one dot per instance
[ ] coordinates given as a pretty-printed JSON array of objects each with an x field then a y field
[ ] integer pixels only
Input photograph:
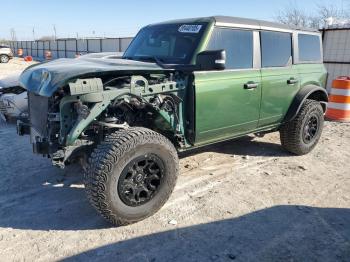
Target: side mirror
[{"x": 211, "y": 60}]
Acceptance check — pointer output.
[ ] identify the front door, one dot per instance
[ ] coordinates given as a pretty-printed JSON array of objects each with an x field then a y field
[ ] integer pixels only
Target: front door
[{"x": 227, "y": 102}]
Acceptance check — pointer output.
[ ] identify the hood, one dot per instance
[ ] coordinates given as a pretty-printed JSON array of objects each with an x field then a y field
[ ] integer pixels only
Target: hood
[{"x": 45, "y": 78}]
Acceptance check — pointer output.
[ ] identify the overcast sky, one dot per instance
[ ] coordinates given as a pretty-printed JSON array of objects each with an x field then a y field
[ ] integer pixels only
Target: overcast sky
[{"x": 120, "y": 18}]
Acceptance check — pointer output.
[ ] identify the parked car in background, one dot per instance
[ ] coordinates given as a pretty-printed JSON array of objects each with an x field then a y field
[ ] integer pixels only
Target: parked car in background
[
  {"x": 5, "y": 53},
  {"x": 13, "y": 99}
]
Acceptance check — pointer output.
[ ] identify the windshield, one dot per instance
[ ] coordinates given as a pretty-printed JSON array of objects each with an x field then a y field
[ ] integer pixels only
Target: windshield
[{"x": 168, "y": 43}]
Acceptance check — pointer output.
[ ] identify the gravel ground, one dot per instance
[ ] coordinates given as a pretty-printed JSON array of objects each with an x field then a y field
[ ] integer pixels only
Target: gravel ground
[
  {"x": 242, "y": 200},
  {"x": 14, "y": 66}
]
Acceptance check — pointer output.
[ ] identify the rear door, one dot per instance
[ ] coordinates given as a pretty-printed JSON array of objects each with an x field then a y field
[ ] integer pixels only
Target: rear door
[
  {"x": 279, "y": 76},
  {"x": 228, "y": 102}
]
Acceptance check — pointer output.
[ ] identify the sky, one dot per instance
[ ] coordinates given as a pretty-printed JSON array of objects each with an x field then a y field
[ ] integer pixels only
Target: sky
[{"x": 122, "y": 18}]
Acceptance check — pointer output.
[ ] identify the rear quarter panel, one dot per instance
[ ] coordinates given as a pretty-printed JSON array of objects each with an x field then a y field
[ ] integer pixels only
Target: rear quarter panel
[{"x": 312, "y": 74}]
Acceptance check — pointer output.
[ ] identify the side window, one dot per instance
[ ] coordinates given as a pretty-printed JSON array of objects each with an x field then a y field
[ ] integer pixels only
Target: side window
[
  {"x": 309, "y": 48},
  {"x": 276, "y": 49},
  {"x": 238, "y": 45}
]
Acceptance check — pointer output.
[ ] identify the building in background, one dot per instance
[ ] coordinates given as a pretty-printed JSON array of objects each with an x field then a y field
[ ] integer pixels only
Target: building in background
[{"x": 336, "y": 50}]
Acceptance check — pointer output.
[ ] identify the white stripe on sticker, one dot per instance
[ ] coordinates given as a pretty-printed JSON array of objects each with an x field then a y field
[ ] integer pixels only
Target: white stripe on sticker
[{"x": 339, "y": 106}]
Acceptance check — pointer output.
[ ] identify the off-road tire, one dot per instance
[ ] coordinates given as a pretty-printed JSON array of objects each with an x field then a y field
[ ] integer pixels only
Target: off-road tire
[
  {"x": 4, "y": 59},
  {"x": 291, "y": 133},
  {"x": 107, "y": 162}
]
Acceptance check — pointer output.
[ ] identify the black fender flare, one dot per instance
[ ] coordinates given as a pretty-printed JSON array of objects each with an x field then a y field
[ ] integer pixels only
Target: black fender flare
[{"x": 307, "y": 92}]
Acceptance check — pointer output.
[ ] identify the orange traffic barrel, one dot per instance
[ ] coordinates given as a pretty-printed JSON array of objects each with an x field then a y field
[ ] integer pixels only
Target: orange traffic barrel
[
  {"x": 339, "y": 100},
  {"x": 20, "y": 52},
  {"x": 48, "y": 55},
  {"x": 28, "y": 58}
]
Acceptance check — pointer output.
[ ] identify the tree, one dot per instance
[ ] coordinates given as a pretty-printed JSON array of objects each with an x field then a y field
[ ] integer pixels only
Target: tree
[
  {"x": 324, "y": 12},
  {"x": 46, "y": 38},
  {"x": 4, "y": 41},
  {"x": 293, "y": 15}
]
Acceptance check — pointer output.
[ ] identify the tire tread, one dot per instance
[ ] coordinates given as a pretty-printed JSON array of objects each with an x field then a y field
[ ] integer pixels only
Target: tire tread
[
  {"x": 290, "y": 131},
  {"x": 106, "y": 155}
]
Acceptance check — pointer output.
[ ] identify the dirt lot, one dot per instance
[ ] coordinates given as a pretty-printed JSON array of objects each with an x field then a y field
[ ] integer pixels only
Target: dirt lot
[
  {"x": 14, "y": 66},
  {"x": 243, "y": 200}
]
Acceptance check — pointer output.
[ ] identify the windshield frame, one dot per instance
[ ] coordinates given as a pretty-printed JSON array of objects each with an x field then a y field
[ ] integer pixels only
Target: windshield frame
[{"x": 202, "y": 35}]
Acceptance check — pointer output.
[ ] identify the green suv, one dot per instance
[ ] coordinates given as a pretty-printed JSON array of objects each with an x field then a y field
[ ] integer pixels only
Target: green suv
[{"x": 180, "y": 85}]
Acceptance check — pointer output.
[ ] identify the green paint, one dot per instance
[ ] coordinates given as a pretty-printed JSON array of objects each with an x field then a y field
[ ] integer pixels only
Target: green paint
[
  {"x": 223, "y": 107},
  {"x": 277, "y": 94}
]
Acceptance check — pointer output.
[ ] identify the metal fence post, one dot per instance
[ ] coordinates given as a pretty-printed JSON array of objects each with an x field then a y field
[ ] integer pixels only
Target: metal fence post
[{"x": 29, "y": 49}]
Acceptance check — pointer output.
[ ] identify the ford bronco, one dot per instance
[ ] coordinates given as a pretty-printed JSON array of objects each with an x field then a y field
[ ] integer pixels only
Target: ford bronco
[{"x": 180, "y": 85}]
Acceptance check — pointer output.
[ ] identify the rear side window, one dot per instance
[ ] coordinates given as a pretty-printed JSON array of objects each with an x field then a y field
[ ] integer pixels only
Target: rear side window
[
  {"x": 276, "y": 49},
  {"x": 238, "y": 45},
  {"x": 309, "y": 48}
]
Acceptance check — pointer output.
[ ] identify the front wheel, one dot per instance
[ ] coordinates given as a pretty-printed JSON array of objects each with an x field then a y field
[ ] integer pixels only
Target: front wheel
[
  {"x": 131, "y": 175},
  {"x": 302, "y": 134},
  {"x": 4, "y": 58}
]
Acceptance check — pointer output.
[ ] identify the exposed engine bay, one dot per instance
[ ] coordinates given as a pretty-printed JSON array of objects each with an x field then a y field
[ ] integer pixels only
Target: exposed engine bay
[{"x": 83, "y": 112}]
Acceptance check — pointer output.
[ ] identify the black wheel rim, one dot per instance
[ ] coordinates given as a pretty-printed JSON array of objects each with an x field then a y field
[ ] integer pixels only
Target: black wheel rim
[
  {"x": 310, "y": 129},
  {"x": 140, "y": 180}
]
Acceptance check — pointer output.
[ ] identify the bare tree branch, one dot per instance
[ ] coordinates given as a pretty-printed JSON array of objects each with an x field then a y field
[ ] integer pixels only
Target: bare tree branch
[{"x": 292, "y": 15}]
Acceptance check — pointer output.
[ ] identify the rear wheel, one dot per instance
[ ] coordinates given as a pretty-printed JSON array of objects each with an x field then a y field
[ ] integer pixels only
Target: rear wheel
[
  {"x": 302, "y": 134},
  {"x": 4, "y": 59},
  {"x": 131, "y": 175}
]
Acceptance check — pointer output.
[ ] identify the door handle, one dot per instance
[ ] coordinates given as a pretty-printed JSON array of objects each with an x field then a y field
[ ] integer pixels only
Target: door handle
[
  {"x": 250, "y": 85},
  {"x": 292, "y": 81}
]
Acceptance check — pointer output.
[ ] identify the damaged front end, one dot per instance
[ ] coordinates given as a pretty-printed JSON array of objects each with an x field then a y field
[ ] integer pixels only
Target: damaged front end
[{"x": 80, "y": 114}]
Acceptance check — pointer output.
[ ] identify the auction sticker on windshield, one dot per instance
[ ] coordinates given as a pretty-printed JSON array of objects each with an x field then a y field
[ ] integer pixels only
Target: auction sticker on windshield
[{"x": 194, "y": 29}]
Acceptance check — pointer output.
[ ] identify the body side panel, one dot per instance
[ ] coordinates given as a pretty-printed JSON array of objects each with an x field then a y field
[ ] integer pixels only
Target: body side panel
[
  {"x": 223, "y": 107},
  {"x": 277, "y": 95},
  {"x": 312, "y": 74}
]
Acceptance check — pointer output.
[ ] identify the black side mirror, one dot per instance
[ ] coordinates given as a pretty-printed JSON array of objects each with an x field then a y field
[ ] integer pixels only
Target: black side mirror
[{"x": 211, "y": 60}]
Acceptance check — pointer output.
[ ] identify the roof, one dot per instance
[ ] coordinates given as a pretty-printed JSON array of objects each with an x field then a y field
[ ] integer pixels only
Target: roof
[
  {"x": 241, "y": 22},
  {"x": 338, "y": 27},
  {"x": 258, "y": 23}
]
